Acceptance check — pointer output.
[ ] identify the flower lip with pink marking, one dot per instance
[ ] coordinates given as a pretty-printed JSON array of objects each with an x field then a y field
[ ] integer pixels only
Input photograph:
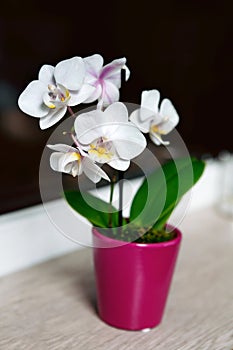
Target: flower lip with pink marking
[{"x": 106, "y": 79}]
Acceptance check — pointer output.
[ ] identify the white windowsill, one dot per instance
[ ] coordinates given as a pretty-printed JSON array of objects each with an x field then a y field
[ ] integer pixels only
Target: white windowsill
[{"x": 28, "y": 237}]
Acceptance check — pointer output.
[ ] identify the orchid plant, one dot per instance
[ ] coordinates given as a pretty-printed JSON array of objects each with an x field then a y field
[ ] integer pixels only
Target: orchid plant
[{"x": 108, "y": 134}]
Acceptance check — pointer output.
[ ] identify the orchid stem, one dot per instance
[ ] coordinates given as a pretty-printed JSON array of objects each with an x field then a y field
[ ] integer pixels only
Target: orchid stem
[
  {"x": 120, "y": 214},
  {"x": 71, "y": 111},
  {"x": 75, "y": 141},
  {"x": 112, "y": 186},
  {"x": 121, "y": 177}
]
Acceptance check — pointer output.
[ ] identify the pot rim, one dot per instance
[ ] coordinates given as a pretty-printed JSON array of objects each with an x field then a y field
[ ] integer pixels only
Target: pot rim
[{"x": 117, "y": 242}]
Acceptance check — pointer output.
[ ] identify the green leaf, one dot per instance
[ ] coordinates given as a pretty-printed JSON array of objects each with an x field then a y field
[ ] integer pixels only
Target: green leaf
[
  {"x": 92, "y": 208},
  {"x": 162, "y": 190}
]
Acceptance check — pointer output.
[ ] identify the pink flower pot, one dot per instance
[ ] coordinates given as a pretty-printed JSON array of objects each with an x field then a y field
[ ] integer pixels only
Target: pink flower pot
[{"x": 133, "y": 280}]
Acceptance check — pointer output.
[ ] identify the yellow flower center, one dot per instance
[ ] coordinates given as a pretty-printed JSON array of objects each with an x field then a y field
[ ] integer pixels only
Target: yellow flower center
[
  {"x": 101, "y": 151},
  {"x": 77, "y": 156},
  {"x": 155, "y": 129},
  {"x": 57, "y": 96}
]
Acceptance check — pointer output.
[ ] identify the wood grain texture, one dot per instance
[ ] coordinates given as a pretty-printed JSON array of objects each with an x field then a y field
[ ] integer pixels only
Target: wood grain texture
[{"x": 52, "y": 305}]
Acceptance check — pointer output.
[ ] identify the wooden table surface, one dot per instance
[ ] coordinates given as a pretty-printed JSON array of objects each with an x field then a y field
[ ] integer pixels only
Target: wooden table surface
[{"x": 52, "y": 305}]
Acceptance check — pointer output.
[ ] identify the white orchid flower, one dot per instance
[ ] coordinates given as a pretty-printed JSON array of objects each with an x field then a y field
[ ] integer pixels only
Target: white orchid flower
[
  {"x": 56, "y": 88},
  {"x": 105, "y": 79},
  {"x": 109, "y": 137},
  {"x": 153, "y": 120},
  {"x": 74, "y": 161}
]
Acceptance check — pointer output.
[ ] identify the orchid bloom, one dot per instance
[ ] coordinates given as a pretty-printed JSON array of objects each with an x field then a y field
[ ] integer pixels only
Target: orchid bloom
[
  {"x": 106, "y": 80},
  {"x": 56, "y": 88},
  {"x": 153, "y": 120},
  {"x": 109, "y": 137},
  {"x": 74, "y": 161}
]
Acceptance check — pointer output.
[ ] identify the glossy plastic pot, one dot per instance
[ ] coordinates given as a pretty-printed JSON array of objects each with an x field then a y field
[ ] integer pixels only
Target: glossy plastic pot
[{"x": 133, "y": 280}]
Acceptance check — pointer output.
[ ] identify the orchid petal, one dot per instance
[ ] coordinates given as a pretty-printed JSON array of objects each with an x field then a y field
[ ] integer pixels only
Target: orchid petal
[
  {"x": 95, "y": 95},
  {"x": 136, "y": 120},
  {"x": 59, "y": 162},
  {"x": 169, "y": 115},
  {"x": 119, "y": 164},
  {"x": 70, "y": 73},
  {"x": 77, "y": 97},
  {"x": 112, "y": 71},
  {"x": 149, "y": 104},
  {"x": 116, "y": 112},
  {"x": 55, "y": 161},
  {"x": 87, "y": 126},
  {"x": 156, "y": 138},
  {"x": 70, "y": 158},
  {"x": 100, "y": 104},
  {"x": 76, "y": 169},
  {"x": 31, "y": 99},
  {"x": 128, "y": 141},
  {"x": 157, "y": 119},
  {"x": 94, "y": 124},
  {"x": 67, "y": 162},
  {"x": 93, "y": 171},
  {"x": 127, "y": 72},
  {"x": 46, "y": 74},
  {"x": 93, "y": 65},
  {"x": 150, "y": 100},
  {"x": 61, "y": 147},
  {"x": 52, "y": 117},
  {"x": 127, "y": 149},
  {"x": 110, "y": 93}
]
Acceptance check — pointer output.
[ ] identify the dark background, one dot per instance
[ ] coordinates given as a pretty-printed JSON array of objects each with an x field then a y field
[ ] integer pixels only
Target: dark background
[{"x": 182, "y": 48}]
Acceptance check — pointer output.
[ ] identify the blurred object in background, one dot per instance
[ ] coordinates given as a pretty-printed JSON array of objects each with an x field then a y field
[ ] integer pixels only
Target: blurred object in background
[{"x": 225, "y": 202}]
